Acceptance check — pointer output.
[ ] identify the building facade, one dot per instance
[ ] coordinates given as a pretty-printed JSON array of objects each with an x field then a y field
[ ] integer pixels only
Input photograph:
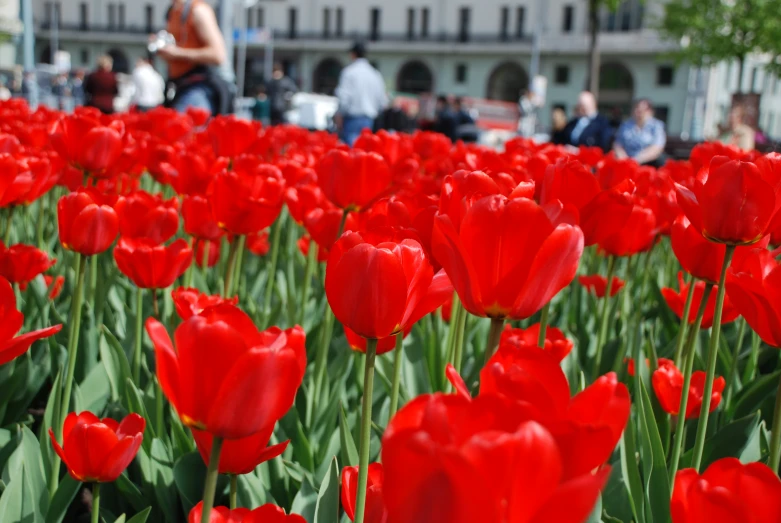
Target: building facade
[{"x": 468, "y": 48}]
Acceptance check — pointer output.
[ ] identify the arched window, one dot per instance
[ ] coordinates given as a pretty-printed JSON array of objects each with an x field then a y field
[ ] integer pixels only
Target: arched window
[
  {"x": 326, "y": 76},
  {"x": 415, "y": 78},
  {"x": 506, "y": 82}
]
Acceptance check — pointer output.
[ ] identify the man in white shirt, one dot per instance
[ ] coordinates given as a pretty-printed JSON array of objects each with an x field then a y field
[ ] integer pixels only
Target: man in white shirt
[
  {"x": 149, "y": 86},
  {"x": 361, "y": 94}
]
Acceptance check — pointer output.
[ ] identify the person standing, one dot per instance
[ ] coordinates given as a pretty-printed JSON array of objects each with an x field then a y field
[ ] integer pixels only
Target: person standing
[
  {"x": 281, "y": 89},
  {"x": 199, "y": 48},
  {"x": 361, "y": 94},
  {"x": 149, "y": 86},
  {"x": 588, "y": 128},
  {"x": 445, "y": 122},
  {"x": 101, "y": 86},
  {"x": 642, "y": 137}
]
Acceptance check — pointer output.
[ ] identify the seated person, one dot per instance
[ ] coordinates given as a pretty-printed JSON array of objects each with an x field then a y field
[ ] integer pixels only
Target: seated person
[
  {"x": 642, "y": 137},
  {"x": 588, "y": 128}
]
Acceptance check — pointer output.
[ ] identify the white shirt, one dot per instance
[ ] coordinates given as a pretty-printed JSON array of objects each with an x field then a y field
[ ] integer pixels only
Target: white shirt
[
  {"x": 149, "y": 86},
  {"x": 361, "y": 90}
]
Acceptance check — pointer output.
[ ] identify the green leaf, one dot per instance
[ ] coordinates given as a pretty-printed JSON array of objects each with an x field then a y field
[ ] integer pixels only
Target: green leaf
[
  {"x": 631, "y": 473},
  {"x": 251, "y": 491},
  {"x": 349, "y": 450},
  {"x": 141, "y": 517},
  {"x": 596, "y": 512},
  {"x": 136, "y": 404},
  {"x": 750, "y": 398},
  {"x": 163, "y": 479},
  {"x": 658, "y": 485},
  {"x": 63, "y": 497},
  {"x": 735, "y": 439},
  {"x": 115, "y": 360},
  {"x": 51, "y": 413},
  {"x": 327, "y": 507},
  {"x": 189, "y": 474},
  {"x": 96, "y": 389},
  {"x": 130, "y": 492},
  {"x": 305, "y": 501},
  {"x": 17, "y": 502}
]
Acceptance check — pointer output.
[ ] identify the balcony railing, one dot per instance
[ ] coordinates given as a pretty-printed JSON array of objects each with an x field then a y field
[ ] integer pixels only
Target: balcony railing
[
  {"x": 455, "y": 37},
  {"x": 102, "y": 28}
]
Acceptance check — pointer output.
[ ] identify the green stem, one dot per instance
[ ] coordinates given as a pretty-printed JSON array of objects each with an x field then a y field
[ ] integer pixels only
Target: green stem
[
  {"x": 311, "y": 264},
  {"x": 234, "y": 491},
  {"x": 205, "y": 261},
  {"x": 8, "y": 226},
  {"x": 713, "y": 350},
  {"x": 458, "y": 352},
  {"x": 687, "y": 378},
  {"x": 733, "y": 370},
  {"x": 684, "y": 322},
  {"x": 210, "y": 485},
  {"x": 234, "y": 249},
  {"x": 95, "y": 503},
  {"x": 236, "y": 273},
  {"x": 494, "y": 335},
  {"x": 775, "y": 434},
  {"x": 271, "y": 272},
  {"x": 397, "y": 359},
  {"x": 750, "y": 371},
  {"x": 188, "y": 276},
  {"x": 321, "y": 356},
  {"x": 366, "y": 427},
  {"x": 93, "y": 281},
  {"x": 604, "y": 315},
  {"x": 73, "y": 338},
  {"x": 543, "y": 325},
  {"x": 139, "y": 336},
  {"x": 450, "y": 341},
  {"x": 41, "y": 221}
]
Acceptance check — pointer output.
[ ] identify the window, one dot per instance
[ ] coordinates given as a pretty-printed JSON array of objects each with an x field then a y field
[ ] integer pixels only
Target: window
[
  {"x": 248, "y": 21},
  {"x": 150, "y": 18},
  {"x": 47, "y": 13},
  {"x": 339, "y": 21},
  {"x": 292, "y": 23},
  {"x": 326, "y": 22},
  {"x": 568, "y": 19},
  {"x": 661, "y": 112},
  {"x": 626, "y": 19},
  {"x": 83, "y": 16},
  {"x": 410, "y": 23},
  {"x": 121, "y": 24},
  {"x": 461, "y": 73},
  {"x": 464, "y": 15},
  {"x": 112, "y": 16},
  {"x": 260, "y": 21},
  {"x": 520, "y": 20},
  {"x": 504, "y": 22},
  {"x": 84, "y": 56},
  {"x": 424, "y": 15},
  {"x": 664, "y": 75},
  {"x": 374, "y": 23},
  {"x": 561, "y": 75}
]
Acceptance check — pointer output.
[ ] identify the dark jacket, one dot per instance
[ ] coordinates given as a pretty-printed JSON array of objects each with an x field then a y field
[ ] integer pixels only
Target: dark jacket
[
  {"x": 101, "y": 87},
  {"x": 598, "y": 133}
]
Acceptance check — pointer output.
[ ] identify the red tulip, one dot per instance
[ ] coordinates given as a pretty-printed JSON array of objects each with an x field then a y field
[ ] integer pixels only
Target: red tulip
[
  {"x": 305, "y": 242},
  {"x": 199, "y": 221},
  {"x": 602, "y": 212},
  {"x": 265, "y": 514},
  {"x": 597, "y": 285},
  {"x": 677, "y": 302},
  {"x": 12, "y": 320},
  {"x": 555, "y": 342},
  {"x": 322, "y": 224},
  {"x": 509, "y": 258},
  {"x": 248, "y": 202},
  {"x": 384, "y": 345},
  {"x": 754, "y": 288},
  {"x": 301, "y": 199},
  {"x": 220, "y": 393},
  {"x": 231, "y": 136},
  {"x": 463, "y": 185},
  {"x": 192, "y": 302},
  {"x": 375, "y": 510},
  {"x": 152, "y": 266},
  {"x": 213, "y": 255},
  {"x": 54, "y": 285},
  {"x": 667, "y": 382},
  {"x": 353, "y": 179},
  {"x": 87, "y": 222},
  {"x": 466, "y": 455},
  {"x": 630, "y": 364},
  {"x": 635, "y": 235},
  {"x": 86, "y": 144},
  {"x": 378, "y": 287},
  {"x": 144, "y": 215},
  {"x": 24, "y": 179},
  {"x": 700, "y": 257},
  {"x": 735, "y": 202},
  {"x": 240, "y": 456},
  {"x": 258, "y": 244},
  {"x": 98, "y": 450},
  {"x": 728, "y": 491},
  {"x": 22, "y": 263}
]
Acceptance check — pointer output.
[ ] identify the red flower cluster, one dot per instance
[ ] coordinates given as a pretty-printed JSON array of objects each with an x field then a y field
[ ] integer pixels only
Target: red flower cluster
[{"x": 667, "y": 382}]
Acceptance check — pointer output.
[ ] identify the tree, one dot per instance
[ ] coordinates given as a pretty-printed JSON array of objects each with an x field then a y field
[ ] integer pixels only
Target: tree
[
  {"x": 594, "y": 7},
  {"x": 711, "y": 31}
]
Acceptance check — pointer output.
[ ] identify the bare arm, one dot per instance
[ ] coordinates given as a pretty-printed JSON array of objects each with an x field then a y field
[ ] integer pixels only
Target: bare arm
[
  {"x": 649, "y": 154},
  {"x": 213, "y": 50}
]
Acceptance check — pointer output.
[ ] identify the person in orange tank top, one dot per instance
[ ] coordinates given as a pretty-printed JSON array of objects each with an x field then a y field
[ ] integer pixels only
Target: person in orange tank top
[{"x": 199, "y": 45}]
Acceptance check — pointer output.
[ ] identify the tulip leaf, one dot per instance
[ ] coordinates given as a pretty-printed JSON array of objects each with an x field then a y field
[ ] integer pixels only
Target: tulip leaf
[
  {"x": 750, "y": 398},
  {"x": 96, "y": 389},
  {"x": 741, "y": 438},
  {"x": 189, "y": 473},
  {"x": 141, "y": 517},
  {"x": 327, "y": 507},
  {"x": 52, "y": 412},
  {"x": 631, "y": 472},
  {"x": 251, "y": 491},
  {"x": 596, "y": 512},
  {"x": 130, "y": 492},
  {"x": 349, "y": 450},
  {"x": 17, "y": 502},
  {"x": 305, "y": 501},
  {"x": 657, "y": 482},
  {"x": 136, "y": 404},
  {"x": 115, "y": 360},
  {"x": 63, "y": 497}
]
